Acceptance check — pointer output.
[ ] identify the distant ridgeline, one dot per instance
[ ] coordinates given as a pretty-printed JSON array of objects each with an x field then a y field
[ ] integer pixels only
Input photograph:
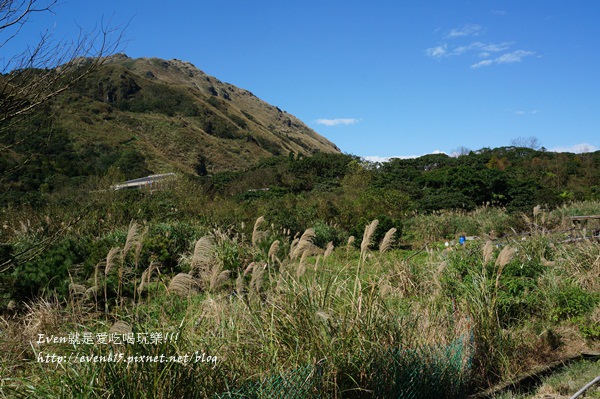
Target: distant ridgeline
[{"x": 512, "y": 177}]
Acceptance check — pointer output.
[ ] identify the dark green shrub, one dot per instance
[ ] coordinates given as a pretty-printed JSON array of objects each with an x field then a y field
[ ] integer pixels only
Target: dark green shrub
[
  {"x": 49, "y": 271},
  {"x": 460, "y": 268},
  {"x": 166, "y": 242},
  {"x": 589, "y": 329},
  {"x": 571, "y": 301},
  {"x": 518, "y": 298},
  {"x": 326, "y": 232}
]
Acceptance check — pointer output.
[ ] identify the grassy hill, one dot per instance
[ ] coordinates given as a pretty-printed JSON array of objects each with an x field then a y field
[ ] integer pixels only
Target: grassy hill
[
  {"x": 148, "y": 115},
  {"x": 178, "y": 114}
]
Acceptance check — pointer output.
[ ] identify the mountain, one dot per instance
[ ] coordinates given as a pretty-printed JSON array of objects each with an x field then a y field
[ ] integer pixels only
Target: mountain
[
  {"x": 149, "y": 115},
  {"x": 174, "y": 114}
]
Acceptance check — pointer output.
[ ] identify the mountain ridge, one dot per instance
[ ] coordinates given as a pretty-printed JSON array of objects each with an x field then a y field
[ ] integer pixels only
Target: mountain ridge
[
  {"x": 145, "y": 116},
  {"x": 176, "y": 112}
]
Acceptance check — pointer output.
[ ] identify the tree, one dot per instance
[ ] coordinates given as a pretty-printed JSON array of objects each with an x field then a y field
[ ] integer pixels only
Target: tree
[
  {"x": 37, "y": 74},
  {"x": 45, "y": 69},
  {"x": 461, "y": 151},
  {"x": 526, "y": 142}
]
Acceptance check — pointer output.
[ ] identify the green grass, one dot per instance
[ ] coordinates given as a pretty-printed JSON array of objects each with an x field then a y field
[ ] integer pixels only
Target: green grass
[
  {"x": 564, "y": 383},
  {"x": 349, "y": 324}
]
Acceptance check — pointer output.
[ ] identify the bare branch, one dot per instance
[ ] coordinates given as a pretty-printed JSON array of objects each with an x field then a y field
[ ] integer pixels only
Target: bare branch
[
  {"x": 46, "y": 69},
  {"x": 526, "y": 142},
  {"x": 18, "y": 12}
]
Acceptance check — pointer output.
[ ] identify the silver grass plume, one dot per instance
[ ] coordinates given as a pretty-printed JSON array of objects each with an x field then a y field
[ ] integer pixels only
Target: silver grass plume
[
  {"x": 273, "y": 249},
  {"x": 218, "y": 276},
  {"x": 305, "y": 244},
  {"x": 503, "y": 259},
  {"x": 147, "y": 276},
  {"x": 368, "y": 236},
  {"x": 488, "y": 250},
  {"x": 133, "y": 237},
  {"x": 388, "y": 240},
  {"x": 328, "y": 249},
  {"x": 351, "y": 240},
  {"x": 257, "y": 234},
  {"x": 293, "y": 247},
  {"x": 203, "y": 252},
  {"x": 113, "y": 255},
  {"x": 256, "y": 280},
  {"x": 181, "y": 284}
]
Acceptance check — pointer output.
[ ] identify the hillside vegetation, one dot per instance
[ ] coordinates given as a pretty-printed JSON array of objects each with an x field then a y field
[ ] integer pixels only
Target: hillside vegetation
[
  {"x": 146, "y": 116},
  {"x": 274, "y": 312},
  {"x": 280, "y": 268}
]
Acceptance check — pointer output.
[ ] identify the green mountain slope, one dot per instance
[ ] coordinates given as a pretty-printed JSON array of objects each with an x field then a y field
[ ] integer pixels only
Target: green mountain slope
[
  {"x": 144, "y": 116},
  {"x": 181, "y": 118}
]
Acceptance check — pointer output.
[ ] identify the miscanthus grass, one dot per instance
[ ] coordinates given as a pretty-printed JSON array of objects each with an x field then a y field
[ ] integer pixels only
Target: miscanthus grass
[{"x": 286, "y": 304}]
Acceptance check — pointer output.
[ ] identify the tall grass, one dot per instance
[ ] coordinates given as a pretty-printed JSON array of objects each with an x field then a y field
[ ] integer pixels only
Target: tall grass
[
  {"x": 278, "y": 320},
  {"x": 273, "y": 307}
]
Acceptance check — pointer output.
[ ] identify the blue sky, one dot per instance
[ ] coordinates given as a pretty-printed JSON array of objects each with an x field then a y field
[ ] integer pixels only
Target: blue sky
[{"x": 382, "y": 78}]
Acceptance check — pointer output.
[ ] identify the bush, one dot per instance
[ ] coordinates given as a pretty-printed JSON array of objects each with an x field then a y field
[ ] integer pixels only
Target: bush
[
  {"x": 165, "y": 242},
  {"x": 571, "y": 301},
  {"x": 326, "y": 233},
  {"x": 50, "y": 272}
]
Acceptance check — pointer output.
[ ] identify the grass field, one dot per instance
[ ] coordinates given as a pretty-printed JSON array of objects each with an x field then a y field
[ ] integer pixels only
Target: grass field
[{"x": 258, "y": 311}]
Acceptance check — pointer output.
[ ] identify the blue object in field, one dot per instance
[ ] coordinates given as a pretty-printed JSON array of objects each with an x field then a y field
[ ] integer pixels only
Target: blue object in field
[{"x": 462, "y": 240}]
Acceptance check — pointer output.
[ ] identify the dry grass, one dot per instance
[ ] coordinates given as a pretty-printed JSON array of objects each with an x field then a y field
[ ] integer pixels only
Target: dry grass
[
  {"x": 367, "y": 240},
  {"x": 120, "y": 327},
  {"x": 388, "y": 240},
  {"x": 257, "y": 234},
  {"x": 403, "y": 282},
  {"x": 202, "y": 256},
  {"x": 349, "y": 302},
  {"x": 582, "y": 261},
  {"x": 42, "y": 316},
  {"x": 182, "y": 284}
]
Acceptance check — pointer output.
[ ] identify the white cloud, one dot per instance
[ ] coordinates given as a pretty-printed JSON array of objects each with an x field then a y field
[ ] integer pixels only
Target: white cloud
[
  {"x": 515, "y": 56},
  {"x": 522, "y": 112},
  {"x": 437, "y": 52},
  {"x": 486, "y": 51},
  {"x": 338, "y": 121},
  {"x": 482, "y": 64},
  {"x": 577, "y": 148},
  {"x": 507, "y": 58},
  {"x": 491, "y": 47},
  {"x": 467, "y": 30},
  {"x": 377, "y": 158}
]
